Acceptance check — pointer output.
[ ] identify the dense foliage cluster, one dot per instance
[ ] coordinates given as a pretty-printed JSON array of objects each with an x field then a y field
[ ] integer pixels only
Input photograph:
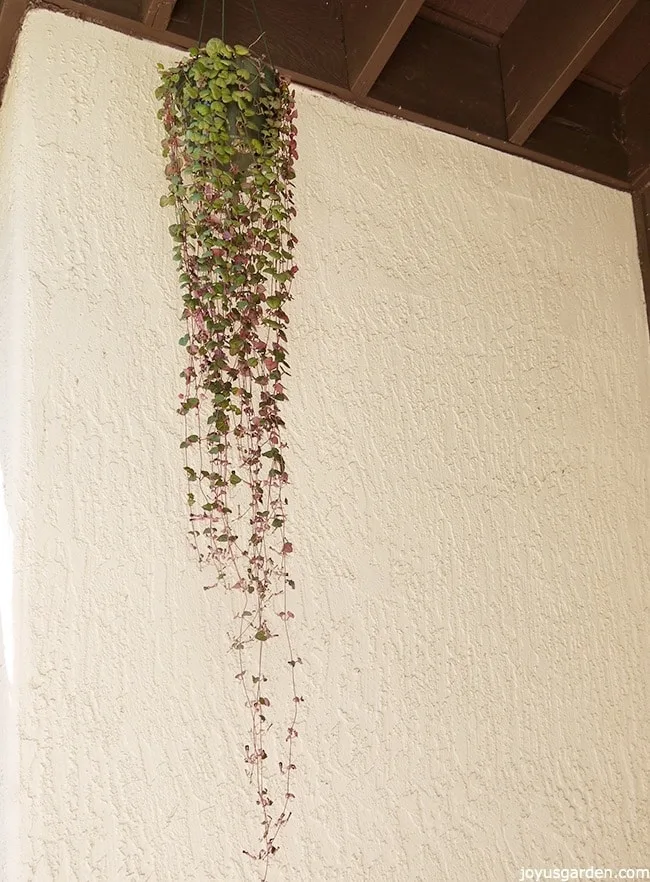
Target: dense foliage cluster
[{"x": 230, "y": 143}]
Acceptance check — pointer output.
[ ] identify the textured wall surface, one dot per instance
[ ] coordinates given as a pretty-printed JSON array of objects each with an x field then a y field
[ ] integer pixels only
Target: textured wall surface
[{"x": 469, "y": 426}]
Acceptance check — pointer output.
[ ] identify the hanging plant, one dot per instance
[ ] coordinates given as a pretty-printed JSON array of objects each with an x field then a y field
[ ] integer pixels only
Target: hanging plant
[{"x": 230, "y": 146}]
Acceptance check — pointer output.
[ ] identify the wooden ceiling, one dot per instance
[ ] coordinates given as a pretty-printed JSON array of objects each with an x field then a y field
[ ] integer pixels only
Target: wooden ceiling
[{"x": 562, "y": 82}]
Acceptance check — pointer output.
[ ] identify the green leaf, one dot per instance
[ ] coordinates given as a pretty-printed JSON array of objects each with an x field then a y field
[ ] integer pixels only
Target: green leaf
[
  {"x": 261, "y": 635},
  {"x": 215, "y": 47},
  {"x": 235, "y": 479},
  {"x": 184, "y": 340}
]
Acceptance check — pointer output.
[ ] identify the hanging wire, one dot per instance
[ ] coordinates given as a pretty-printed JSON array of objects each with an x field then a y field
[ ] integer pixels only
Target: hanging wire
[
  {"x": 205, "y": 3},
  {"x": 262, "y": 32}
]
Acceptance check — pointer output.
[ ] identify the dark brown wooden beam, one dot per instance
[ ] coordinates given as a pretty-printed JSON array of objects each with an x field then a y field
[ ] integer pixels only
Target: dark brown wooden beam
[
  {"x": 156, "y": 14},
  {"x": 641, "y": 201},
  {"x": 459, "y": 26},
  {"x": 636, "y": 110},
  {"x": 544, "y": 50},
  {"x": 373, "y": 29},
  {"x": 12, "y": 13}
]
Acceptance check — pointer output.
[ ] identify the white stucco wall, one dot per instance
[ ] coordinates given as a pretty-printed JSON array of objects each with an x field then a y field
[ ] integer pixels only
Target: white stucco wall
[{"x": 468, "y": 426}]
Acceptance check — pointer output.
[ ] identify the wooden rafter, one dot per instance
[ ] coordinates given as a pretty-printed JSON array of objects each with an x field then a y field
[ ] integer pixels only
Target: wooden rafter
[
  {"x": 156, "y": 14},
  {"x": 373, "y": 29},
  {"x": 636, "y": 109},
  {"x": 544, "y": 50}
]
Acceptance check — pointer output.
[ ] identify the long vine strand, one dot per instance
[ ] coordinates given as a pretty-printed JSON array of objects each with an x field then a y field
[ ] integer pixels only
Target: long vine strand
[{"x": 230, "y": 143}]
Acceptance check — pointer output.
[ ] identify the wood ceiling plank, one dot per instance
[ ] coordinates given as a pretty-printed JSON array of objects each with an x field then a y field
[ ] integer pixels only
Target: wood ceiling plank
[
  {"x": 156, "y": 14},
  {"x": 446, "y": 76},
  {"x": 544, "y": 50},
  {"x": 627, "y": 51},
  {"x": 459, "y": 26},
  {"x": 489, "y": 15},
  {"x": 11, "y": 16},
  {"x": 636, "y": 111},
  {"x": 585, "y": 128},
  {"x": 373, "y": 30}
]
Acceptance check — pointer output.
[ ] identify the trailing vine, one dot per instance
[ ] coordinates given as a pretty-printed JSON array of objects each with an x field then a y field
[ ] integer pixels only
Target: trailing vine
[{"x": 230, "y": 143}]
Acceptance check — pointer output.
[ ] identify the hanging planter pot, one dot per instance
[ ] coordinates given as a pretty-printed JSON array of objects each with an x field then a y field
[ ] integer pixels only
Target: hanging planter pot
[{"x": 230, "y": 145}]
